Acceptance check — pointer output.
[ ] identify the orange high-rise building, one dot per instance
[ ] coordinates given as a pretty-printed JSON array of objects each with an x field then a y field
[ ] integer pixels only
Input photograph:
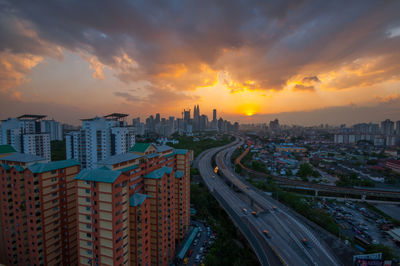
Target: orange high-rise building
[
  {"x": 37, "y": 204},
  {"x": 135, "y": 208}
]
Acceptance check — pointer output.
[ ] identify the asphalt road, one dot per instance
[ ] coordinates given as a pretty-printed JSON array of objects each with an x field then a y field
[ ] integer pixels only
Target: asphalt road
[
  {"x": 286, "y": 232},
  {"x": 214, "y": 183}
]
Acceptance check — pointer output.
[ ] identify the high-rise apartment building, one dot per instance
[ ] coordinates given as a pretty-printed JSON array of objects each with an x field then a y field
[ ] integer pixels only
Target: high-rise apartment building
[
  {"x": 398, "y": 128},
  {"x": 387, "y": 127},
  {"x": 99, "y": 138},
  {"x": 215, "y": 115},
  {"x": 26, "y": 135},
  {"x": 37, "y": 206},
  {"x": 135, "y": 208},
  {"x": 54, "y": 128}
]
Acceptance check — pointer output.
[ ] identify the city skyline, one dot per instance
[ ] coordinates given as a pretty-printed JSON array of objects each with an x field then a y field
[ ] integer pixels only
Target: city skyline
[
  {"x": 280, "y": 59},
  {"x": 206, "y": 132}
]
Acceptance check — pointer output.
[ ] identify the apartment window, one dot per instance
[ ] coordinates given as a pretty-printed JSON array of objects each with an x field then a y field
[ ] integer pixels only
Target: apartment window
[
  {"x": 87, "y": 191},
  {"x": 87, "y": 199},
  {"x": 54, "y": 179}
]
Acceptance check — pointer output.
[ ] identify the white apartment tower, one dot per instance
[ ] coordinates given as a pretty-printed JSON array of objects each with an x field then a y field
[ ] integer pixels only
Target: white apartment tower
[
  {"x": 26, "y": 135},
  {"x": 99, "y": 138},
  {"x": 54, "y": 128}
]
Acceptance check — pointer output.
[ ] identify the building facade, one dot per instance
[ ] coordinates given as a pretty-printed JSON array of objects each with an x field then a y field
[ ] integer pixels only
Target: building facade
[
  {"x": 37, "y": 207},
  {"x": 54, "y": 128},
  {"x": 99, "y": 138},
  {"x": 135, "y": 208},
  {"x": 26, "y": 135}
]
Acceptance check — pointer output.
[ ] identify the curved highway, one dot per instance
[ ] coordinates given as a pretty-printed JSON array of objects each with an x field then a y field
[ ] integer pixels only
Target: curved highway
[
  {"x": 226, "y": 197},
  {"x": 284, "y": 243}
]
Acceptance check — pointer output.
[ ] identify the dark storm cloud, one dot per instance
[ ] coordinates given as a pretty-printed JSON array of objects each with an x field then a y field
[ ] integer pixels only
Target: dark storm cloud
[
  {"x": 311, "y": 79},
  {"x": 165, "y": 42},
  {"x": 300, "y": 87}
]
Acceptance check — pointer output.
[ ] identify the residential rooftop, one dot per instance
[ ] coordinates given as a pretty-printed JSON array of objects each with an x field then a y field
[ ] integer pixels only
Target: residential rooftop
[
  {"x": 159, "y": 173},
  {"x": 6, "y": 149},
  {"x": 47, "y": 167},
  {"x": 119, "y": 158},
  {"x": 179, "y": 174},
  {"x": 22, "y": 157},
  {"x": 140, "y": 147},
  {"x": 181, "y": 151},
  {"x": 137, "y": 199},
  {"x": 163, "y": 148},
  {"x": 98, "y": 175}
]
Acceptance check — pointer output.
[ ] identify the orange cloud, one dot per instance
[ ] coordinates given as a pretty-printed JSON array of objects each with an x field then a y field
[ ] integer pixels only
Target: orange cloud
[{"x": 15, "y": 67}]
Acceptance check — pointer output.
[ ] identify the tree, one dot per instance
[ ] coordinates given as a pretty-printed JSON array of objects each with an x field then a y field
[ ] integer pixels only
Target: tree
[
  {"x": 238, "y": 169},
  {"x": 58, "y": 150},
  {"x": 305, "y": 170}
]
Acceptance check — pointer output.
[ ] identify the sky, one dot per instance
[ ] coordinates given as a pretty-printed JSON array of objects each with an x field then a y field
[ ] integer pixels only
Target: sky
[{"x": 304, "y": 62}]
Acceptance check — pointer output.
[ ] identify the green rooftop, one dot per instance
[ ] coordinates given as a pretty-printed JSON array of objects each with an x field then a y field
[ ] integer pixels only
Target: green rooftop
[
  {"x": 153, "y": 155},
  {"x": 98, "y": 175},
  {"x": 47, "y": 167},
  {"x": 179, "y": 174},
  {"x": 181, "y": 151},
  {"x": 159, "y": 173},
  {"x": 6, "y": 149},
  {"x": 19, "y": 168},
  {"x": 140, "y": 147},
  {"x": 137, "y": 199},
  {"x": 5, "y": 166},
  {"x": 170, "y": 154}
]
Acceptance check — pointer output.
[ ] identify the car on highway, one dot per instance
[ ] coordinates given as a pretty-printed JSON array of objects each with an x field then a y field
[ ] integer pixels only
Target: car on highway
[
  {"x": 274, "y": 208},
  {"x": 306, "y": 243},
  {"x": 244, "y": 210},
  {"x": 266, "y": 233},
  {"x": 254, "y": 213}
]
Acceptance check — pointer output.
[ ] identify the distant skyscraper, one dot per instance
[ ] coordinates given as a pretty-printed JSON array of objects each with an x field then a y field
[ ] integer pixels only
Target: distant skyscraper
[
  {"x": 25, "y": 135},
  {"x": 99, "y": 139},
  {"x": 186, "y": 116},
  {"x": 203, "y": 123},
  {"x": 274, "y": 125},
  {"x": 387, "y": 127},
  {"x": 215, "y": 115},
  {"x": 136, "y": 121},
  {"x": 196, "y": 118},
  {"x": 158, "y": 118},
  {"x": 398, "y": 128}
]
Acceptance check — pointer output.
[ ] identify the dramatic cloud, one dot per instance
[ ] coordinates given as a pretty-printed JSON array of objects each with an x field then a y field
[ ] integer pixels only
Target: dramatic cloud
[
  {"x": 184, "y": 46},
  {"x": 14, "y": 68},
  {"x": 312, "y": 79},
  {"x": 300, "y": 87}
]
